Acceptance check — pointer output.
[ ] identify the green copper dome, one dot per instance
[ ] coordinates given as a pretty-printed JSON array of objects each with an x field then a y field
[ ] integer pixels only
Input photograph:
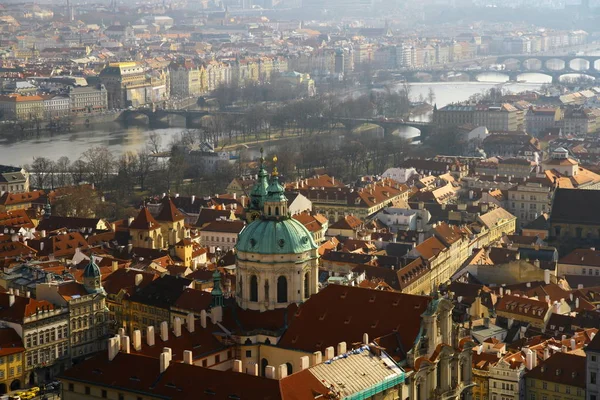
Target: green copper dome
[{"x": 286, "y": 236}]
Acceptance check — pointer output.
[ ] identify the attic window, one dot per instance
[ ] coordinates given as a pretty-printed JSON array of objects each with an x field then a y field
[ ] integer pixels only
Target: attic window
[
  {"x": 322, "y": 317},
  {"x": 372, "y": 299},
  {"x": 558, "y": 372},
  {"x": 171, "y": 385},
  {"x": 374, "y": 324},
  {"x": 210, "y": 392},
  {"x": 135, "y": 378},
  {"x": 343, "y": 295},
  {"x": 347, "y": 320}
]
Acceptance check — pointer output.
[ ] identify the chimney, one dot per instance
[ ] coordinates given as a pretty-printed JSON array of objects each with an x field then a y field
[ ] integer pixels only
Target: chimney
[
  {"x": 573, "y": 344},
  {"x": 365, "y": 338},
  {"x": 317, "y": 358},
  {"x": 130, "y": 221},
  {"x": 115, "y": 265},
  {"x": 11, "y": 300},
  {"x": 329, "y": 353},
  {"x": 113, "y": 348},
  {"x": 528, "y": 284},
  {"x": 577, "y": 303},
  {"x": 546, "y": 353},
  {"x": 125, "y": 345},
  {"x": 547, "y": 298},
  {"x": 529, "y": 359},
  {"x": 282, "y": 371},
  {"x": 341, "y": 348},
  {"x": 164, "y": 362},
  {"x": 547, "y": 276},
  {"x": 203, "y": 319},
  {"x": 17, "y": 292},
  {"x": 580, "y": 286},
  {"x": 169, "y": 351},
  {"x": 137, "y": 340},
  {"x": 501, "y": 291},
  {"x": 164, "y": 331},
  {"x": 237, "y": 365},
  {"x": 252, "y": 370},
  {"x": 270, "y": 372},
  {"x": 304, "y": 363},
  {"x": 138, "y": 279},
  {"x": 150, "y": 336},
  {"x": 564, "y": 349},
  {"x": 177, "y": 326},
  {"x": 43, "y": 234},
  {"x": 190, "y": 322},
  {"x": 193, "y": 199},
  {"x": 187, "y": 357},
  {"x": 28, "y": 294},
  {"x": 121, "y": 332}
]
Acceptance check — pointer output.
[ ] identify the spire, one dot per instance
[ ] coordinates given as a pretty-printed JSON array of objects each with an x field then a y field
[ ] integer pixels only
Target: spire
[
  {"x": 217, "y": 292},
  {"x": 47, "y": 209},
  {"x": 92, "y": 277},
  {"x": 275, "y": 204},
  {"x": 259, "y": 191}
]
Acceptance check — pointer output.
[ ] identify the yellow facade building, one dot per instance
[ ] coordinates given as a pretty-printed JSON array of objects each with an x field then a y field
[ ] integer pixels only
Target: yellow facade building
[{"x": 560, "y": 377}]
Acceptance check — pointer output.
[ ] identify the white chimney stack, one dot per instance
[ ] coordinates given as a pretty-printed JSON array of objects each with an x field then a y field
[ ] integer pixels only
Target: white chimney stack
[
  {"x": 253, "y": 370},
  {"x": 138, "y": 279},
  {"x": 177, "y": 326},
  {"x": 304, "y": 363},
  {"x": 11, "y": 300},
  {"x": 577, "y": 302},
  {"x": 546, "y": 353},
  {"x": 317, "y": 358},
  {"x": 547, "y": 276},
  {"x": 329, "y": 353},
  {"x": 190, "y": 322},
  {"x": 169, "y": 352},
  {"x": 187, "y": 357},
  {"x": 126, "y": 345},
  {"x": 113, "y": 348},
  {"x": 270, "y": 372},
  {"x": 282, "y": 371},
  {"x": 529, "y": 359},
  {"x": 203, "y": 319},
  {"x": 341, "y": 348},
  {"x": 137, "y": 340},
  {"x": 237, "y": 366},
  {"x": 573, "y": 344},
  {"x": 164, "y": 331},
  {"x": 164, "y": 362},
  {"x": 17, "y": 292},
  {"x": 365, "y": 338},
  {"x": 150, "y": 335}
]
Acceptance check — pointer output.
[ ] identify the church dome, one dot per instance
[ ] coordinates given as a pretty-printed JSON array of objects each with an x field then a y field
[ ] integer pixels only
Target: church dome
[{"x": 266, "y": 236}]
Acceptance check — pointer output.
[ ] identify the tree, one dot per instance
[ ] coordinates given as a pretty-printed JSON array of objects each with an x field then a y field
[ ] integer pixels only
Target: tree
[
  {"x": 431, "y": 96},
  {"x": 62, "y": 171},
  {"x": 78, "y": 201},
  {"x": 41, "y": 170},
  {"x": 154, "y": 144},
  {"x": 100, "y": 164}
]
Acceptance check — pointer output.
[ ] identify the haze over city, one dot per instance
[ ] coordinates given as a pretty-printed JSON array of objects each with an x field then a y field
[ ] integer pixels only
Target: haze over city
[{"x": 299, "y": 199}]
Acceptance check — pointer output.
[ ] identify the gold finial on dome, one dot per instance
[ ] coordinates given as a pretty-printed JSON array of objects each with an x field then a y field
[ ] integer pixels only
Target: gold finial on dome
[
  {"x": 275, "y": 172},
  {"x": 262, "y": 156}
]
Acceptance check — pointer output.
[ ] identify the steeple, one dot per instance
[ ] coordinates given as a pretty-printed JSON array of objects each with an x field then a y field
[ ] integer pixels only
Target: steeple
[
  {"x": 275, "y": 204},
  {"x": 47, "y": 209},
  {"x": 259, "y": 191},
  {"x": 217, "y": 292}
]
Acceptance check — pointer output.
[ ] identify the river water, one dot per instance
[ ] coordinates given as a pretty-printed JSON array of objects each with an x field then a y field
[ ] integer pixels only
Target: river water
[{"x": 119, "y": 139}]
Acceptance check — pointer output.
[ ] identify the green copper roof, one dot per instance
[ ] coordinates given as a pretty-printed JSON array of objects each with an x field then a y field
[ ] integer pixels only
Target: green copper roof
[
  {"x": 259, "y": 191},
  {"x": 275, "y": 191},
  {"x": 286, "y": 236},
  {"x": 91, "y": 270}
]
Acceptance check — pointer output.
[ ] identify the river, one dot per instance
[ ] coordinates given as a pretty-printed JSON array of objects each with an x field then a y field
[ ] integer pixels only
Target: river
[{"x": 119, "y": 139}]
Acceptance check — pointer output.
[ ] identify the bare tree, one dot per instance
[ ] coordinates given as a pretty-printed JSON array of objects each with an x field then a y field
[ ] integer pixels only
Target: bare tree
[
  {"x": 154, "y": 144},
  {"x": 100, "y": 164}
]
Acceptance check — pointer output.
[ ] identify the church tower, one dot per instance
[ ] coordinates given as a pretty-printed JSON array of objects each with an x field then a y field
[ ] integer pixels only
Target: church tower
[
  {"x": 92, "y": 278},
  {"x": 276, "y": 256}
]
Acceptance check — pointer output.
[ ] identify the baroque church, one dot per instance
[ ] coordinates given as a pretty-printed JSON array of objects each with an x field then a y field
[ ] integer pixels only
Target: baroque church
[{"x": 280, "y": 321}]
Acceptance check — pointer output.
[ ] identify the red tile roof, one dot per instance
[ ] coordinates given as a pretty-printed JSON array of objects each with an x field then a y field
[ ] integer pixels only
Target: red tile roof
[
  {"x": 144, "y": 221},
  {"x": 344, "y": 313},
  {"x": 169, "y": 212},
  {"x": 10, "y": 342}
]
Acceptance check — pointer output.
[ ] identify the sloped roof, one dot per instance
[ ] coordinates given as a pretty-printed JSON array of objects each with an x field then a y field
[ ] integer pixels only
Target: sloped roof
[
  {"x": 169, "y": 212},
  {"x": 144, "y": 221}
]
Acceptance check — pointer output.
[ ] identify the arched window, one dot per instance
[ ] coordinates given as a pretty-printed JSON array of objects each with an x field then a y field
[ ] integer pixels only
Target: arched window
[
  {"x": 306, "y": 285},
  {"x": 276, "y": 210},
  {"x": 290, "y": 369},
  {"x": 282, "y": 295},
  {"x": 253, "y": 288},
  {"x": 263, "y": 366}
]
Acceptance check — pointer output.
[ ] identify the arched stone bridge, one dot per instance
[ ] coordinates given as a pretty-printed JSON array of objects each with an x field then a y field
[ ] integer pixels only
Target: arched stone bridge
[{"x": 389, "y": 126}]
